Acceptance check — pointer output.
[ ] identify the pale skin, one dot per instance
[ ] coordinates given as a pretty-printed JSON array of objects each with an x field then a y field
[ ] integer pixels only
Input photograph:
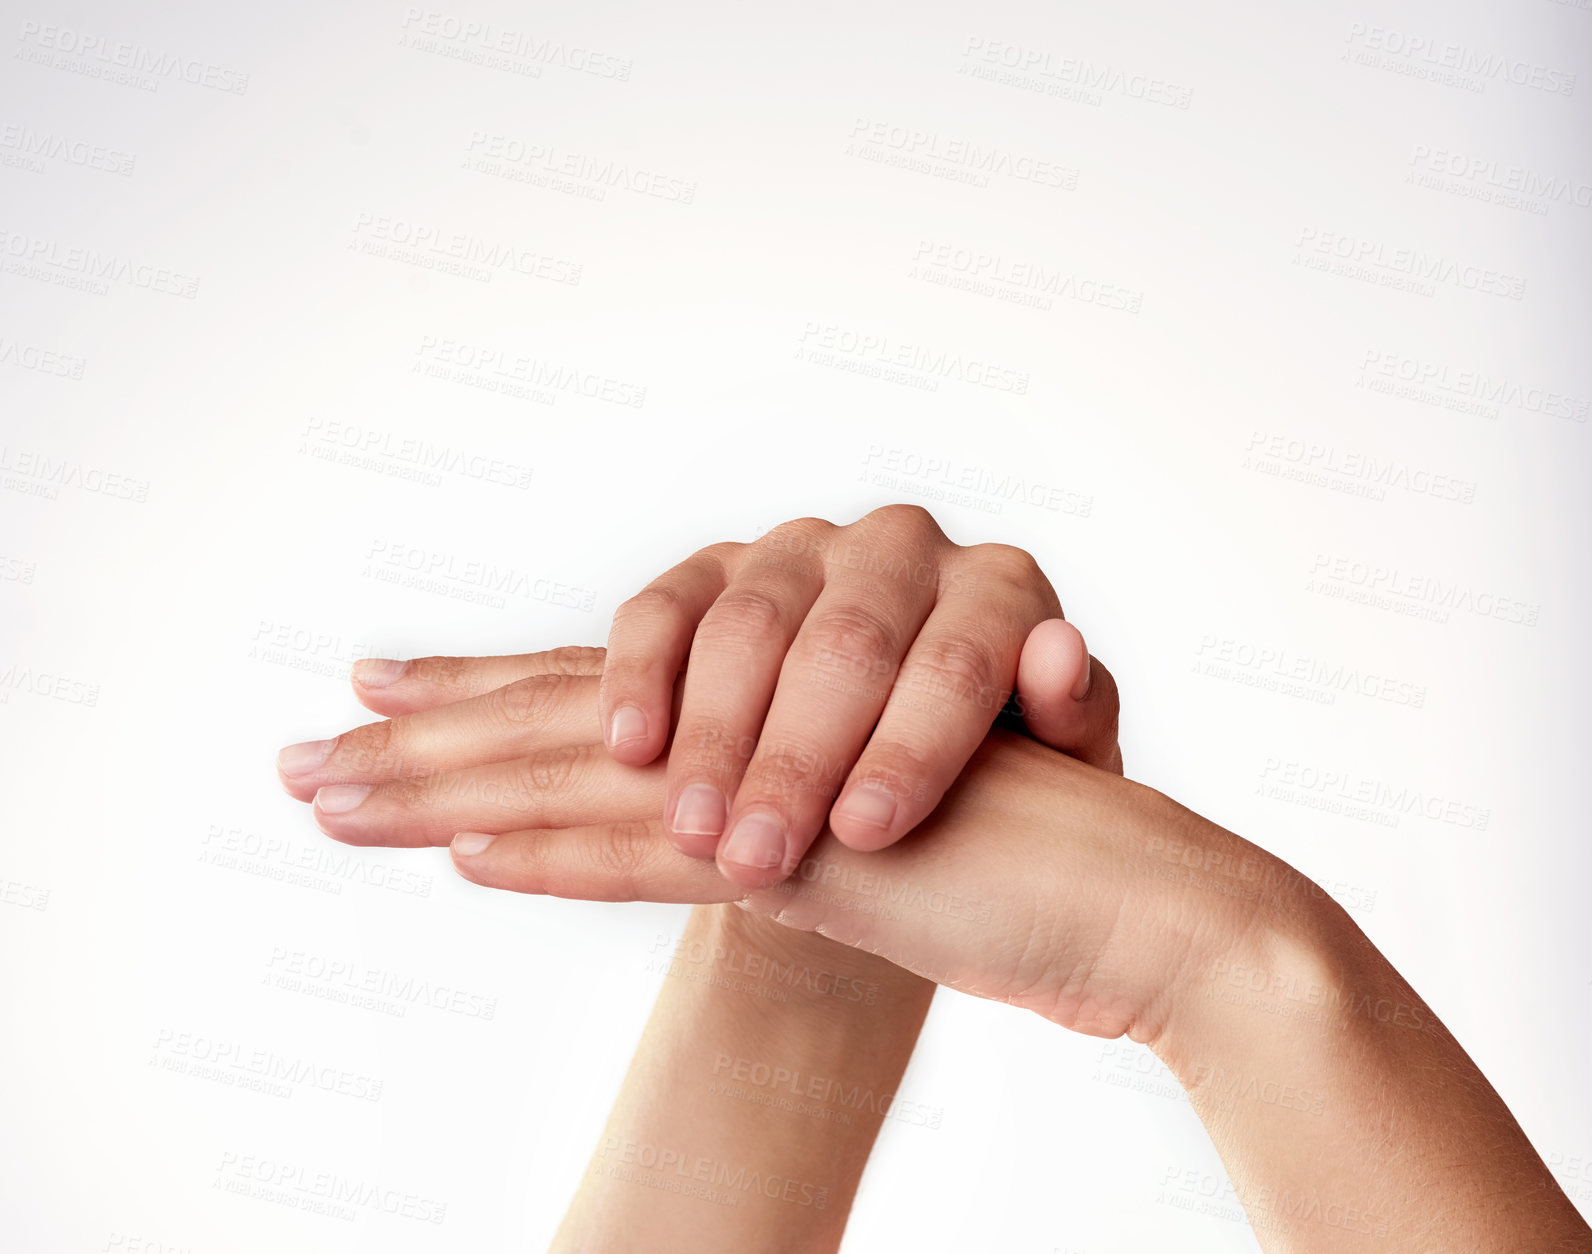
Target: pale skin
[
  {"x": 890, "y": 581},
  {"x": 1038, "y": 880}
]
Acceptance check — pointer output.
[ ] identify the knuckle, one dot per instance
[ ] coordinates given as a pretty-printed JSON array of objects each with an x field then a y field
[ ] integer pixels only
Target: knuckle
[
  {"x": 575, "y": 659},
  {"x": 790, "y": 769},
  {"x": 906, "y": 517},
  {"x": 900, "y": 769},
  {"x": 656, "y": 600},
  {"x": 524, "y": 702},
  {"x": 747, "y": 614},
  {"x": 1008, "y": 562},
  {"x": 440, "y": 672},
  {"x": 365, "y": 749},
  {"x": 617, "y": 856},
  {"x": 725, "y": 554},
  {"x": 712, "y": 749},
  {"x": 954, "y": 669},
  {"x": 799, "y": 545},
  {"x": 855, "y": 633},
  {"x": 555, "y": 770}
]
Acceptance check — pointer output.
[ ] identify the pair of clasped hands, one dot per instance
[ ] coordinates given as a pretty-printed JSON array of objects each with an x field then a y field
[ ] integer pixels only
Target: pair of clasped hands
[
  {"x": 840, "y": 694},
  {"x": 896, "y": 756}
]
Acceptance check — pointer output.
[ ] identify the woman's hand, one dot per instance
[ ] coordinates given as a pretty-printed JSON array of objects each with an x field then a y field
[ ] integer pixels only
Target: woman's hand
[
  {"x": 1023, "y": 839},
  {"x": 1049, "y": 884},
  {"x": 862, "y": 662}
]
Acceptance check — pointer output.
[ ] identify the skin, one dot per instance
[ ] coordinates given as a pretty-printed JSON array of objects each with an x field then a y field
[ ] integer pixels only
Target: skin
[
  {"x": 1050, "y": 884},
  {"x": 839, "y": 673},
  {"x": 841, "y": 1034}
]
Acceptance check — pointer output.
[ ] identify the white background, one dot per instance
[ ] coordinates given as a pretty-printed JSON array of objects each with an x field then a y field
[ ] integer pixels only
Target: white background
[{"x": 215, "y": 501}]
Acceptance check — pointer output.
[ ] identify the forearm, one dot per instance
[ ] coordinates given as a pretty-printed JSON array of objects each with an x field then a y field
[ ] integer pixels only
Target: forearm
[
  {"x": 1346, "y": 1114},
  {"x": 753, "y": 1098}
]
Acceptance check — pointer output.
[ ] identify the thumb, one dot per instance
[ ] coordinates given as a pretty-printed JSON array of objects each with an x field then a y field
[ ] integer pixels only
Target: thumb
[{"x": 1068, "y": 699}]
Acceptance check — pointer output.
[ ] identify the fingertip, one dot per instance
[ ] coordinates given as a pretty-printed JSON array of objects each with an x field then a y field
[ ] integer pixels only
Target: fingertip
[
  {"x": 464, "y": 852},
  {"x": 861, "y": 837},
  {"x": 864, "y": 818},
  {"x": 377, "y": 672},
  {"x": 693, "y": 844},
  {"x": 751, "y": 877},
  {"x": 633, "y": 735},
  {"x": 756, "y": 852},
  {"x": 1053, "y": 658}
]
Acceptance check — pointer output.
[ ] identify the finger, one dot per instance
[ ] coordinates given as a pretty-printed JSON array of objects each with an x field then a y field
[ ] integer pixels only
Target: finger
[
  {"x": 647, "y": 645},
  {"x": 954, "y": 681},
  {"x": 531, "y": 714},
  {"x": 735, "y": 667},
  {"x": 394, "y": 686},
  {"x": 830, "y": 693},
  {"x": 616, "y": 861},
  {"x": 1069, "y": 700},
  {"x": 567, "y": 786}
]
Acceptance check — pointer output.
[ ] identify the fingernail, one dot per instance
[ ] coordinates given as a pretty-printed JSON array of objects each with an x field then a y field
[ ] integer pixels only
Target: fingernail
[
  {"x": 700, "y": 811},
  {"x": 628, "y": 723},
  {"x": 340, "y": 798},
  {"x": 1080, "y": 690},
  {"x": 377, "y": 672},
  {"x": 757, "y": 840},
  {"x": 301, "y": 758},
  {"x": 468, "y": 844},
  {"x": 867, "y": 803}
]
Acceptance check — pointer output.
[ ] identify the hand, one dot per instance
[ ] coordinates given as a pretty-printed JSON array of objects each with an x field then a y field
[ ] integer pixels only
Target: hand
[
  {"x": 961, "y": 903},
  {"x": 444, "y": 766},
  {"x": 1048, "y": 884},
  {"x": 866, "y": 661}
]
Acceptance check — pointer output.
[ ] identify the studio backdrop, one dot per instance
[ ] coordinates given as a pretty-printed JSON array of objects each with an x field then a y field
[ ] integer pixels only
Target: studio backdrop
[{"x": 376, "y": 329}]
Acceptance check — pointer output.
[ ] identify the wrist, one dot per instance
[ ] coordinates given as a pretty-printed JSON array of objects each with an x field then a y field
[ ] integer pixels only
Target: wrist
[
  {"x": 800, "y": 980},
  {"x": 1274, "y": 962}
]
